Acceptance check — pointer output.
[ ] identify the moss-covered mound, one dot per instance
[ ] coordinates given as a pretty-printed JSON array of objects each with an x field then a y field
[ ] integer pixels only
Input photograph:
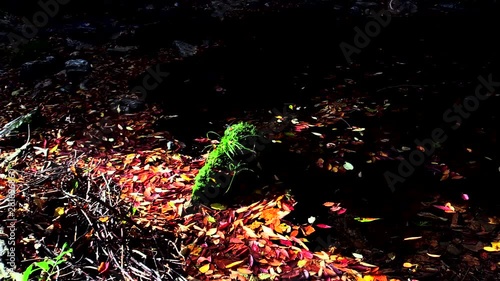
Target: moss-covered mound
[{"x": 233, "y": 154}]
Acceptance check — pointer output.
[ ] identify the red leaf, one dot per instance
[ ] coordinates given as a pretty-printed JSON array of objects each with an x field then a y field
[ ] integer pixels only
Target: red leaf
[
  {"x": 286, "y": 243},
  {"x": 320, "y": 225}
]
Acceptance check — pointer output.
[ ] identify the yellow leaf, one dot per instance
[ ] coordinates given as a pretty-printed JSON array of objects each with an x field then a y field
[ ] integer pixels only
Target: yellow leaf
[
  {"x": 103, "y": 219},
  {"x": 204, "y": 268},
  {"x": 52, "y": 150},
  {"x": 366, "y": 219},
  {"x": 301, "y": 263},
  {"x": 218, "y": 206},
  {"x": 59, "y": 211},
  {"x": 212, "y": 231},
  {"x": 249, "y": 232},
  {"x": 495, "y": 247},
  {"x": 407, "y": 265},
  {"x": 244, "y": 270},
  {"x": 234, "y": 263},
  {"x": 264, "y": 276},
  {"x": 186, "y": 178},
  {"x": 491, "y": 249}
]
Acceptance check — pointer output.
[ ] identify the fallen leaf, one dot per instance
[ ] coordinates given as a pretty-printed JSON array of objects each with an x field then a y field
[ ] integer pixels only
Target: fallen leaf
[
  {"x": 204, "y": 268},
  {"x": 320, "y": 225},
  {"x": 412, "y": 238},
  {"x": 243, "y": 270},
  {"x": 348, "y": 166},
  {"x": 234, "y": 264},
  {"x": 366, "y": 219},
  {"x": 218, "y": 206},
  {"x": 59, "y": 211}
]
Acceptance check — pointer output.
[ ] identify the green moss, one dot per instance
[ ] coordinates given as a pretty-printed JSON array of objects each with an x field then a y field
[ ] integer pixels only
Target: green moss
[{"x": 224, "y": 162}]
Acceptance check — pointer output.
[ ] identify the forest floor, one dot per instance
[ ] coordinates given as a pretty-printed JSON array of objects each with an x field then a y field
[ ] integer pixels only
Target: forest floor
[{"x": 117, "y": 188}]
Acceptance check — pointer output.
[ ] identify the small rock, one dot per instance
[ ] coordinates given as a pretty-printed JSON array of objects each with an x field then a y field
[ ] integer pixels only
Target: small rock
[
  {"x": 453, "y": 250},
  {"x": 38, "y": 68},
  {"x": 120, "y": 50},
  {"x": 127, "y": 105},
  {"x": 185, "y": 49},
  {"x": 77, "y": 68}
]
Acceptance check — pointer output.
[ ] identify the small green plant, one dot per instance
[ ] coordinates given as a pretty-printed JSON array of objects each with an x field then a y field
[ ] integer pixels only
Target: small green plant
[
  {"x": 227, "y": 159},
  {"x": 48, "y": 267}
]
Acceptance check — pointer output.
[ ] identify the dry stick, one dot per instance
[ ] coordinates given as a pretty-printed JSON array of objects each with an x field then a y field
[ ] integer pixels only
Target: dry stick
[
  {"x": 109, "y": 207},
  {"x": 401, "y": 86},
  {"x": 18, "y": 151},
  {"x": 123, "y": 272},
  {"x": 128, "y": 219}
]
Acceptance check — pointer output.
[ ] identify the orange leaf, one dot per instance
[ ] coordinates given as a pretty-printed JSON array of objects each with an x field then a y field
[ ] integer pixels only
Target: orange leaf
[
  {"x": 329, "y": 204},
  {"x": 103, "y": 267},
  {"x": 308, "y": 230},
  {"x": 275, "y": 262}
]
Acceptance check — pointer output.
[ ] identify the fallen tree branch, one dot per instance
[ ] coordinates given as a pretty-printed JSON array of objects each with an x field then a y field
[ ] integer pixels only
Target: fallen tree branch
[{"x": 18, "y": 151}]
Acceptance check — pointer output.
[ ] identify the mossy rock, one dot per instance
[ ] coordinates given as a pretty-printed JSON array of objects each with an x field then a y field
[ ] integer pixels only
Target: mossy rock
[{"x": 234, "y": 153}]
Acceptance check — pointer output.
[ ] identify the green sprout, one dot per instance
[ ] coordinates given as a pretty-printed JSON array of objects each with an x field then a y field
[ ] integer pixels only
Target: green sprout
[{"x": 48, "y": 267}]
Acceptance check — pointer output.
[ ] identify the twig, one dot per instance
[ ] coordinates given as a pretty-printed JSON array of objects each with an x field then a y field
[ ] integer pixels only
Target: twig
[
  {"x": 401, "y": 86},
  {"x": 11, "y": 157}
]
